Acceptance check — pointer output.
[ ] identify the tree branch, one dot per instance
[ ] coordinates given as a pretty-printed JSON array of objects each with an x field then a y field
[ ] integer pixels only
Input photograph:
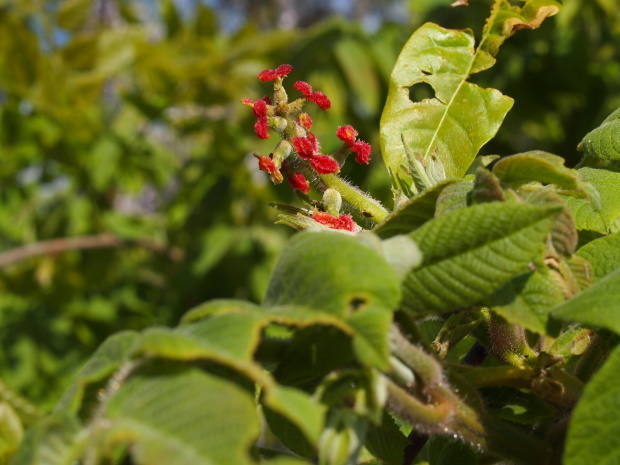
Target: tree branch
[{"x": 65, "y": 244}]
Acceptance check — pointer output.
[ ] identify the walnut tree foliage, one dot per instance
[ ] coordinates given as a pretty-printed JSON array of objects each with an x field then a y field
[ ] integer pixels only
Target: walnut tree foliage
[{"x": 476, "y": 321}]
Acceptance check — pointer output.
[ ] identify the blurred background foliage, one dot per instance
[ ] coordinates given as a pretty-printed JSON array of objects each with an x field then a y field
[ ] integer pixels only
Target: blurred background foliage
[{"x": 128, "y": 188}]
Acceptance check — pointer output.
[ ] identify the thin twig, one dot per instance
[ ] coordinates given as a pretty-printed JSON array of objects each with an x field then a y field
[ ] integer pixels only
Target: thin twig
[{"x": 66, "y": 244}]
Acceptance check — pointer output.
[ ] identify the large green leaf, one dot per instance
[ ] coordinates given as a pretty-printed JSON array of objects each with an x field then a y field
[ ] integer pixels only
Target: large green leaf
[
  {"x": 598, "y": 305},
  {"x": 454, "y": 124},
  {"x": 462, "y": 116},
  {"x": 182, "y": 416},
  {"x": 332, "y": 272},
  {"x": 607, "y": 182},
  {"x": 603, "y": 254},
  {"x": 231, "y": 340},
  {"x": 470, "y": 253},
  {"x": 604, "y": 141},
  {"x": 594, "y": 430}
]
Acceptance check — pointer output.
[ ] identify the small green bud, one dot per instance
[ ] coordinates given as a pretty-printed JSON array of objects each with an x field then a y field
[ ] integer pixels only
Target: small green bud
[{"x": 332, "y": 201}]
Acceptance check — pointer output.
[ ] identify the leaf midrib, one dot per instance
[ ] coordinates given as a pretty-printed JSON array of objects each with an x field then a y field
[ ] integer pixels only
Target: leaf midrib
[{"x": 485, "y": 35}]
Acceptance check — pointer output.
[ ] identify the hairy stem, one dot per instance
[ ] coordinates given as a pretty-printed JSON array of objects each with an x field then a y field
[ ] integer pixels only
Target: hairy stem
[
  {"x": 425, "y": 365},
  {"x": 363, "y": 203}
]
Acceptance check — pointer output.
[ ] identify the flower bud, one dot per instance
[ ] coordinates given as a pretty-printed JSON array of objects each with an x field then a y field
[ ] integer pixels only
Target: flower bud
[{"x": 332, "y": 201}]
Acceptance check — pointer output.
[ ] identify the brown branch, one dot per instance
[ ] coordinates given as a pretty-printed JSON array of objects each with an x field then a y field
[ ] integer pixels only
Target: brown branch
[{"x": 65, "y": 244}]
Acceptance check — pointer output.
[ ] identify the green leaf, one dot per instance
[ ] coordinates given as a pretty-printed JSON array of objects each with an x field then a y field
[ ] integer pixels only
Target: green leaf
[
  {"x": 370, "y": 341},
  {"x": 182, "y": 416},
  {"x": 462, "y": 116},
  {"x": 564, "y": 236},
  {"x": 413, "y": 213},
  {"x": 454, "y": 197},
  {"x": 604, "y": 142},
  {"x": 527, "y": 300},
  {"x": 218, "y": 306},
  {"x": 52, "y": 441},
  {"x": 506, "y": 19},
  {"x": 454, "y": 124},
  {"x": 607, "y": 183},
  {"x": 231, "y": 339},
  {"x": 594, "y": 430},
  {"x": 105, "y": 361},
  {"x": 445, "y": 451},
  {"x": 472, "y": 252},
  {"x": 357, "y": 66},
  {"x": 543, "y": 167},
  {"x": 386, "y": 441},
  {"x": 11, "y": 432},
  {"x": 332, "y": 272},
  {"x": 299, "y": 408},
  {"x": 598, "y": 305},
  {"x": 603, "y": 254}
]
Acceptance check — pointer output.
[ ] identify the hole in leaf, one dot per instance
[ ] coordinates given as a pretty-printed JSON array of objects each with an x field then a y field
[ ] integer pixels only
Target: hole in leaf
[
  {"x": 421, "y": 91},
  {"x": 356, "y": 303}
]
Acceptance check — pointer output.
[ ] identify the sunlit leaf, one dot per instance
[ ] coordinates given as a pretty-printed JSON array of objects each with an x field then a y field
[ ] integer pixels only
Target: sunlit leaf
[
  {"x": 604, "y": 142},
  {"x": 607, "y": 183},
  {"x": 461, "y": 117},
  {"x": 454, "y": 124},
  {"x": 364, "y": 279}
]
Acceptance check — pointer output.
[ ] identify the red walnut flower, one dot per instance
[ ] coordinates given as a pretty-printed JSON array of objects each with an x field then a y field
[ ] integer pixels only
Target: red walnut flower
[
  {"x": 347, "y": 134},
  {"x": 335, "y": 222},
  {"x": 261, "y": 127},
  {"x": 298, "y": 181},
  {"x": 317, "y": 97},
  {"x": 362, "y": 151},
  {"x": 303, "y": 87},
  {"x": 267, "y": 164},
  {"x": 271, "y": 74},
  {"x": 304, "y": 147},
  {"x": 320, "y": 99},
  {"x": 324, "y": 164},
  {"x": 305, "y": 120}
]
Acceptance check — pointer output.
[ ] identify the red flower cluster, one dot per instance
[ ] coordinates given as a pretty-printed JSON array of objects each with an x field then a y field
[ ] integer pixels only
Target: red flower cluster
[
  {"x": 317, "y": 97},
  {"x": 294, "y": 125},
  {"x": 308, "y": 148},
  {"x": 362, "y": 149},
  {"x": 335, "y": 222},
  {"x": 272, "y": 74}
]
